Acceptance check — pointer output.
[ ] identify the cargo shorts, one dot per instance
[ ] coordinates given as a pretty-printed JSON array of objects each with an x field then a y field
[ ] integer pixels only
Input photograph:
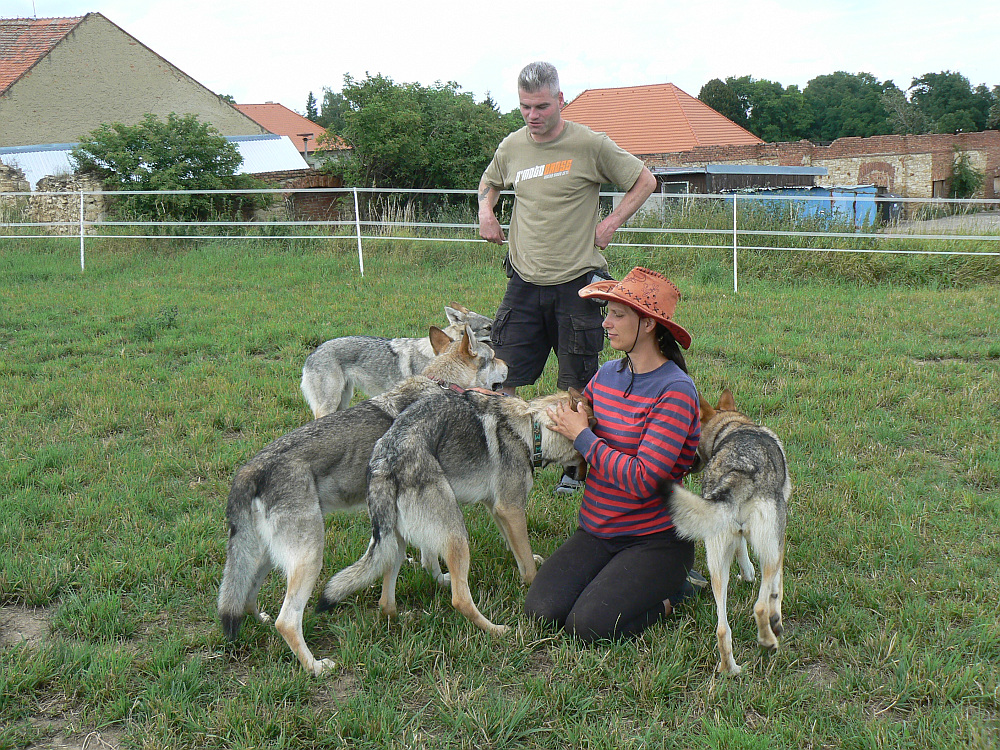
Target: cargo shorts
[{"x": 534, "y": 320}]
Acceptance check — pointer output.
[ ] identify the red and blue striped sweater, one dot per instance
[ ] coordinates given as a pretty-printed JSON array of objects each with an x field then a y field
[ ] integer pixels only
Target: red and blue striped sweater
[{"x": 638, "y": 441}]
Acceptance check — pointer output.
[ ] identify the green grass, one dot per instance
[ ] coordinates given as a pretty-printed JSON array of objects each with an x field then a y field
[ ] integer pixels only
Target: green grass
[{"x": 131, "y": 393}]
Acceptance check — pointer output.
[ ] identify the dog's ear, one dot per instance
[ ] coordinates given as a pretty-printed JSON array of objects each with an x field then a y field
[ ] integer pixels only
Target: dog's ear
[
  {"x": 470, "y": 347},
  {"x": 577, "y": 400},
  {"x": 455, "y": 314},
  {"x": 581, "y": 471},
  {"x": 439, "y": 340},
  {"x": 726, "y": 402},
  {"x": 706, "y": 409}
]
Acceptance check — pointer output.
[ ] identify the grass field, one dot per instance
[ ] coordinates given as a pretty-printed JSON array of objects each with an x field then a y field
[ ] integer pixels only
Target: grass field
[{"x": 131, "y": 392}]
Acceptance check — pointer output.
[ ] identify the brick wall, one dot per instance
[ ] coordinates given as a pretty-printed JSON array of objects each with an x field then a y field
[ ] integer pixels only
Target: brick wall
[
  {"x": 904, "y": 164},
  {"x": 308, "y": 206}
]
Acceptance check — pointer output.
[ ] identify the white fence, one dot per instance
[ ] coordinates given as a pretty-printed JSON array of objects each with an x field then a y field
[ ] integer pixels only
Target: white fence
[{"x": 948, "y": 222}]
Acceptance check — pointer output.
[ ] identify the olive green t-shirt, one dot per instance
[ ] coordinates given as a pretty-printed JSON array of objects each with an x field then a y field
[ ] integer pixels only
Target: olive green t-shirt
[{"x": 556, "y": 187}]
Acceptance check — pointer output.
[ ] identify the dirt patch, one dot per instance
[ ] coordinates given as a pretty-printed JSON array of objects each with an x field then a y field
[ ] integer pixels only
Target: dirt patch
[
  {"x": 977, "y": 223},
  {"x": 23, "y": 625},
  {"x": 80, "y": 741}
]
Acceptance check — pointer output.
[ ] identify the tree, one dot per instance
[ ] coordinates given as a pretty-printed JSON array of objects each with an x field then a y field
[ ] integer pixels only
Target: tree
[
  {"x": 993, "y": 115},
  {"x": 332, "y": 111},
  {"x": 311, "y": 112},
  {"x": 847, "y": 104},
  {"x": 721, "y": 97},
  {"x": 774, "y": 113},
  {"x": 180, "y": 153},
  {"x": 412, "y": 136},
  {"x": 948, "y": 102},
  {"x": 904, "y": 116}
]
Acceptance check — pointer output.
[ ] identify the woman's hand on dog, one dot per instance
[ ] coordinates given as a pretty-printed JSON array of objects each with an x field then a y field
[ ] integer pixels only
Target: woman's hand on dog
[{"x": 566, "y": 421}]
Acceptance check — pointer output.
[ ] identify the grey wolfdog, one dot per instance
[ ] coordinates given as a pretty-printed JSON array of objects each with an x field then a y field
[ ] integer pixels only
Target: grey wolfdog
[
  {"x": 745, "y": 491},
  {"x": 444, "y": 451},
  {"x": 373, "y": 365},
  {"x": 279, "y": 497}
]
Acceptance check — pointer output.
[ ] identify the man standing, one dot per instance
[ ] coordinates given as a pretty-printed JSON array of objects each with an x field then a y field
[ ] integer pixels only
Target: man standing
[{"x": 556, "y": 168}]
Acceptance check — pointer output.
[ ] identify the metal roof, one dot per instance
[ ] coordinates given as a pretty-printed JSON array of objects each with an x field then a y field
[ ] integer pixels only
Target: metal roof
[
  {"x": 261, "y": 153},
  {"x": 742, "y": 169}
]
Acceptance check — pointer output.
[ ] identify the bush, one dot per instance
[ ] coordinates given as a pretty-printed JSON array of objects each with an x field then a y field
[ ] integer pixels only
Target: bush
[
  {"x": 966, "y": 180},
  {"x": 178, "y": 154}
]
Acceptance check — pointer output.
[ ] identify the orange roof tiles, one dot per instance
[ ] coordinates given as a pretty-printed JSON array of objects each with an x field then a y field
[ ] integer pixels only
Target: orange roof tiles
[
  {"x": 25, "y": 41},
  {"x": 655, "y": 119},
  {"x": 280, "y": 120}
]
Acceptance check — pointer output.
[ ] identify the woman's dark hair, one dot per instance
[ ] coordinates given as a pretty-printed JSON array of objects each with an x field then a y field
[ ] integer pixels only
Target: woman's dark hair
[{"x": 669, "y": 346}]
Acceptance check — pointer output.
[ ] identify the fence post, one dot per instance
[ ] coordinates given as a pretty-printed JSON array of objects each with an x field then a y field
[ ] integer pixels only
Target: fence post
[
  {"x": 81, "y": 232},
  {"x": 736, "y": 287},
  {"x": 357, "y": 229}
]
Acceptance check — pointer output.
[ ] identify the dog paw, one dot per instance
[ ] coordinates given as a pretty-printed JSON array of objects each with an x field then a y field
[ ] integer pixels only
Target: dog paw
[
  {"x": 323, "y": 665},
  {"x": 768, "y": 644},
  {"x": 444, "y": 580},
  {"x": 538, "y": 559},
  {"x": 732, "y": 669},
  {"x": 264, "y": 617},
  {"x": 499, "y": 629}
]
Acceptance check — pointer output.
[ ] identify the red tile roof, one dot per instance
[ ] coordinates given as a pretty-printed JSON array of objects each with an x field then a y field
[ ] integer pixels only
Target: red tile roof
[
  {"x": 280, "y": 120},
  {"x": 25, "y": 41},
  {"x": 655, "y": 119}
]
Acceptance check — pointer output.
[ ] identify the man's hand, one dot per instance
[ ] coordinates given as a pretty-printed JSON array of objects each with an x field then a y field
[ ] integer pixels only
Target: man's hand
[
  {"x": 489, "y": 228},
  {"x": 630, "y": 203},
  {"x": 605, "y": 232}
]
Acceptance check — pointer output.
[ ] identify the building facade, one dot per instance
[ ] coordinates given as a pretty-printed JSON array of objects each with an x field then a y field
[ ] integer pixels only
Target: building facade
[{"x": 64, "y": 77}]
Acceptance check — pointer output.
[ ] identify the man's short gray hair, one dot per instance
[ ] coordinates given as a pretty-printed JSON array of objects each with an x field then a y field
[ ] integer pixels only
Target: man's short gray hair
[{"x": 537, "y": 76}]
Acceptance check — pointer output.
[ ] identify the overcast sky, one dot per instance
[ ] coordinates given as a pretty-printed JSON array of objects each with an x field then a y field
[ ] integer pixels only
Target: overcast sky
[{"x": 271, "y": 51}]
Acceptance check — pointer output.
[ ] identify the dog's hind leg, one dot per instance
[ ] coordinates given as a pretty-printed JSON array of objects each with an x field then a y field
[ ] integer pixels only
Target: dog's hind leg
[
  {"x": 719, "y": 551},
  {"x": 387, "y": 602},
  {"x": 456, "y": 555},
  {"x": 513, "y": 525},
  {"x": 297, "y": 548},
  {"x": 430, "y": 562},
  {"x": 767, "y": 610},
  {"x": 767, "y": 541},
  {"x": 747, "y": 573},
  {"x": 301, "y": 578}
]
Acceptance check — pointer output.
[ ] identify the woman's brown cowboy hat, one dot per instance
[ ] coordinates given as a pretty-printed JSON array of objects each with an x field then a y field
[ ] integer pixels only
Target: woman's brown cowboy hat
[{"x": 648, "y": 293}]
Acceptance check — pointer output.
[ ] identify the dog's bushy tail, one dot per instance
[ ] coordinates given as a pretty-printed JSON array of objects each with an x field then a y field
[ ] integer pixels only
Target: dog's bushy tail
[
  {"x": 244, "y": 553},
  {"x": 694, "y": 516},
  {"x": 384, "y": 549}
]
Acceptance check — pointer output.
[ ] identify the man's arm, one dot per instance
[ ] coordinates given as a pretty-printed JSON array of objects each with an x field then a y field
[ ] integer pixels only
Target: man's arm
[
  {"x": 489, "y": 227},
  {"x": 644, "y": 186}
]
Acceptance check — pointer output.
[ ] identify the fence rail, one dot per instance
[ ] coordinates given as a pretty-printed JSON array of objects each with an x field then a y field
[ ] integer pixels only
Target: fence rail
[{"x": 846, "y": 217}]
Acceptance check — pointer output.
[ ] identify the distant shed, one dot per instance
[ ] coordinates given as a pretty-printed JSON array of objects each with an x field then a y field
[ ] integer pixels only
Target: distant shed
[{"x": 722, "y": 178}]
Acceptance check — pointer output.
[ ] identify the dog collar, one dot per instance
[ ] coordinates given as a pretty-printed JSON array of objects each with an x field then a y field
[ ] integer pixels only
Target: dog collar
[
  {"x": 536, "y": 454},
  {"x": 449, "y": 386}
]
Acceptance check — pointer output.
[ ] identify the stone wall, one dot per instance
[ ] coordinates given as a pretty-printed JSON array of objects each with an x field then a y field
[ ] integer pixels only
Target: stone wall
[
  {"x": 908, "y": 165},
  {"x": 61, "y": 208}
]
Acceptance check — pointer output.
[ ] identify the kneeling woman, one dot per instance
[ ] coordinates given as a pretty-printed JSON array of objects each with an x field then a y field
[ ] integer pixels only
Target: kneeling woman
[{"x": 624, "y": 567}]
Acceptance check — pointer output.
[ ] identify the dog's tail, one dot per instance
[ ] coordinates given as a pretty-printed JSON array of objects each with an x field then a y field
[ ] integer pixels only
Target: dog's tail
[
  {"x": 385, "y": 549},
  {"x": 694, "y": 516},
  {"x": 244, "y": 555}
]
